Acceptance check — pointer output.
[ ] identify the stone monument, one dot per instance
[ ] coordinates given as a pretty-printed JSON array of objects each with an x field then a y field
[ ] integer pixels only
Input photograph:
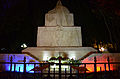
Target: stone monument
[
  {"x": 59, "y": 16},
  {"x": 59, "y": 29},
  {"x": 59, "y": 36}
]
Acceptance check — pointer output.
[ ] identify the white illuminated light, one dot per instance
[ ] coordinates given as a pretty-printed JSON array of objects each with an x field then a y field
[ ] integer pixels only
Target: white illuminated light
[
  {"x": 24, "y": 45},
  {"x": 54, "y": 66},
  {"x": 72, "y": 55},
  {"x": 45, "y": 58},
  {"x": 46, "y": 55},
  {"x": 101, "y": 49},
  {"x": 63, "y": 67}
]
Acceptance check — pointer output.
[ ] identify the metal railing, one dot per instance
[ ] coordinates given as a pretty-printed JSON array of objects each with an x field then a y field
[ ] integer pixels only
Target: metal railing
[{"x": 59, "y": 73}]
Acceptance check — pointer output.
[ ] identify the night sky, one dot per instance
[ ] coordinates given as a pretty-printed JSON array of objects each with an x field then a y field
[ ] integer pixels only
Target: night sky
[{"x": 19, "y": 20}]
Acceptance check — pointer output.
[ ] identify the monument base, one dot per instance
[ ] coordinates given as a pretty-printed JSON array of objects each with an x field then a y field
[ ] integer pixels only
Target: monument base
[
  {"x": 45, "y": 53},
  {"x": 59, "y": 36}
]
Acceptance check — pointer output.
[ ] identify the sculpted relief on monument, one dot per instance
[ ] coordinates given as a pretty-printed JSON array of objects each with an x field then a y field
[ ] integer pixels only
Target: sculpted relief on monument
[{"x": 59, "y": 16}]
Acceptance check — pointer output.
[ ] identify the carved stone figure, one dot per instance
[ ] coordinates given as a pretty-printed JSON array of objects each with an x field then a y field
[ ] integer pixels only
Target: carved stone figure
[{"x": 59, "y": 16}]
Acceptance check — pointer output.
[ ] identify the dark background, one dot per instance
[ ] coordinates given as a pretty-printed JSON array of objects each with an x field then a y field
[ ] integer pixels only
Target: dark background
[{"x": 19, "y": 20}]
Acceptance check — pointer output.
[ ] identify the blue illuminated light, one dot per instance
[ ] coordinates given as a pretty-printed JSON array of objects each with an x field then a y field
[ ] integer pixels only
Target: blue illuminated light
[{"x": 18, "y": 58}]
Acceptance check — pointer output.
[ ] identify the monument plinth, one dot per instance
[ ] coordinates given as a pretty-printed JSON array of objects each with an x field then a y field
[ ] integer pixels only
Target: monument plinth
[{"x": 59, "y": 36}]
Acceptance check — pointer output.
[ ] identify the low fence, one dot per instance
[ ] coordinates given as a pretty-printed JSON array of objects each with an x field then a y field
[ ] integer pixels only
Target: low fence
[{"x": 73, "y": 71}]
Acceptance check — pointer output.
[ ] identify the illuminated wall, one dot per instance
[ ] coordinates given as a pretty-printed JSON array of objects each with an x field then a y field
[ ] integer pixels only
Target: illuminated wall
[
  {"x": 102, "y": 58},
  {"x": 18, "y": 58}
]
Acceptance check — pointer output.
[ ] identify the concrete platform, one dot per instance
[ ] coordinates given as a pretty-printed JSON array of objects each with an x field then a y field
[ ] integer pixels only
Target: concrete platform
[{"x": 45, "y": 53}]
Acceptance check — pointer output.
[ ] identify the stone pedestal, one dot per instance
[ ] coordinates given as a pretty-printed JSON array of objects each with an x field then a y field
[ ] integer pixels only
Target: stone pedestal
[{"x": 59, "y": 36}]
